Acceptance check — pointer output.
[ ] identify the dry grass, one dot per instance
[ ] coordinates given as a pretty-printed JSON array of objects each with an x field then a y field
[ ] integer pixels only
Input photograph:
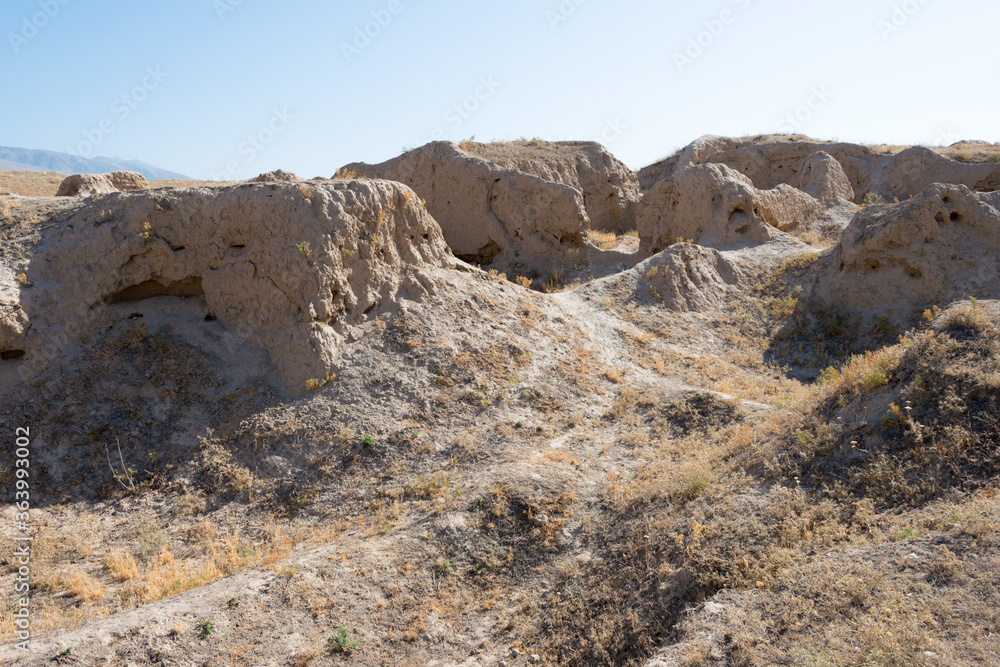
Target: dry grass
[
  {"x": 960, "y": 152},
  {"x": 603, "y": 240},
  {"x": 39, "y": 184},
  {"x": 30, "y": 183},
  {"x": 553, "y": 282},
  {"x": 78, "y": 584}
]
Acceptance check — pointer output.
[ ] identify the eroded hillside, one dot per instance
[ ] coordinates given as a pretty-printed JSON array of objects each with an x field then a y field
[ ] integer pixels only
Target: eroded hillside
[{"x": 503, "y": 406}]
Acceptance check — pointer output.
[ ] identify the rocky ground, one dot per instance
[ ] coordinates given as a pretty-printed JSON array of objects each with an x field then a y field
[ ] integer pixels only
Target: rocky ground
[{"x": 744, "y": 415}]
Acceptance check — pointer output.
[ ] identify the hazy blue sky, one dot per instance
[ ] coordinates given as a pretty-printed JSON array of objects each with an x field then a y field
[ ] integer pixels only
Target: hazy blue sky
[{"x": 186, "y": 84}]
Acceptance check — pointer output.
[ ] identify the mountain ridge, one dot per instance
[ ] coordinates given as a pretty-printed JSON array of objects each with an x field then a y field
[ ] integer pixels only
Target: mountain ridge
[{"x": 31, "y": 159}]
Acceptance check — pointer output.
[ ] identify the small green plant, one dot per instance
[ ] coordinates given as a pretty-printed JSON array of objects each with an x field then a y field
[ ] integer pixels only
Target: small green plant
[
  {"x": 207, "y": 628},
  {"x": 66, "y": 651},
  {"x": 893, "y": 417},
  {"x": 908, "y": 533},
  {"x": 22, "y": 278},
  {"x": 834, "y": 328},
  {"x": 368, "y": 441},
  {"x": 444, "y": 566},
  {"x": 805, "y": 437},
  {"x": 994, "y": 159},
  {"x": 782, "y": 308},
  {"x": 828, "y": 376},
  {"x": 697, "y": 485},
  {"x": 478, "y": 398},
  {"x": 233, "y": 603},
  {"x": 316, "y": 385},
  {"x": 974, "y": 303},
  {"x": 147, "y": 232},
  {"x": 341, "y": 643},
  {"x": 304, "y": 249},
  {"x": 877, "y": 378},
  {"x": 288, "y": 571}
]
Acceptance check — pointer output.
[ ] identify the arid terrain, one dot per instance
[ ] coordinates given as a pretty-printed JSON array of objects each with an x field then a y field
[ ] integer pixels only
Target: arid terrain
[{"x": 509, "y": 404}]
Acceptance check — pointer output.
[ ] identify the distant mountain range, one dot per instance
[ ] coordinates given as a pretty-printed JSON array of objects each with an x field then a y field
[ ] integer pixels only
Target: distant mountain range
[{"x": 28, "y": 159}]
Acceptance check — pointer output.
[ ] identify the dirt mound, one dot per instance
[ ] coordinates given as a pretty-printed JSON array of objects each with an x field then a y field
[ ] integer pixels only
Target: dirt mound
[
  {"x": 101, "y": 184},
  {"x": 940, "y": 246},
  {"x": 822, "y": 177},
  {"x": 870, "y": 174},
  {"x": 692, "y": 154},
  {"x": 277, "y": 176},
  {"x": 293, "y": 266},
  {"x": 688, "y": 278},
  {"x": 710, "y": 205},
  {"x": 610, "y": 189},
  {"x": 488, "y": 213}
]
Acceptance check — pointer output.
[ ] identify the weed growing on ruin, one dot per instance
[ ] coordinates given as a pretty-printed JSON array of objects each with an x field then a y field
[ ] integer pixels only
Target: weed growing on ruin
[
  {"x": 341, "y": 643},
  {"x": 553, "y": 282},
  {"x": 305, "y": 249},
  {"x": 316, "y": 385},
  {"x": 468, "y": 145}
]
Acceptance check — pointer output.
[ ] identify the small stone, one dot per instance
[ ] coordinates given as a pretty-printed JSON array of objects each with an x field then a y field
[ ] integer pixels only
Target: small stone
[
  {"x": 514, "y": 653},
  {"x": 534, "y": 658}
]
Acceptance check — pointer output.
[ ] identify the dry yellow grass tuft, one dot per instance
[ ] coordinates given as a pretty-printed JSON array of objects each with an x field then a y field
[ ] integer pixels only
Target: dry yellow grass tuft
[{"x": 603, "y": 240}]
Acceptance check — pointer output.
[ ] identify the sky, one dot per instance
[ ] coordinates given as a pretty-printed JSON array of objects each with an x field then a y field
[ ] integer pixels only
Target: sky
[{"x": 228, "y": 89}]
